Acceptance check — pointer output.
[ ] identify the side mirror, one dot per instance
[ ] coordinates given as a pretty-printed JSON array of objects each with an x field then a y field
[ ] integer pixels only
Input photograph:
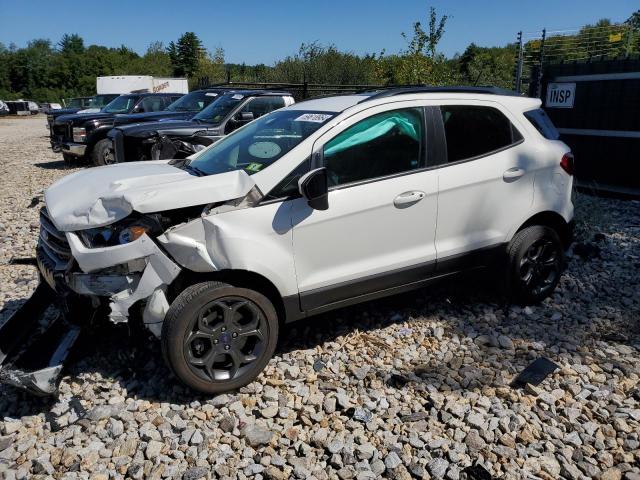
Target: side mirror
[
  {"x": 244, "y": 117},
  {"x": 314, "y": 187}
]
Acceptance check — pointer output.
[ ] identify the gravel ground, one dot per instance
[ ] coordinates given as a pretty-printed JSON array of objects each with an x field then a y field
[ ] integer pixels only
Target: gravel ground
[{"x": 416, "y": 386}]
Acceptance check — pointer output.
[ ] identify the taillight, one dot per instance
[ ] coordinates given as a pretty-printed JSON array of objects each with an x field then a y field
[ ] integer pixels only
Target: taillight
[{"x": 567, "y": 163}]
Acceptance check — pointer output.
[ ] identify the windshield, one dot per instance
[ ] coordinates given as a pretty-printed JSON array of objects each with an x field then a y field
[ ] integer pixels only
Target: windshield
[
  {"x": 193, "y": 102},
  {"x": 99, "y": 101},
  {"x": 122, "y": 104},
  {"x": 260, "y": 143},
  {"x": 218, "y": 110}
]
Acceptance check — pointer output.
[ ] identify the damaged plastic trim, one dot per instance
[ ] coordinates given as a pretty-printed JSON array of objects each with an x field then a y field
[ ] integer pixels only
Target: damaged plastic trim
[
  {"x": 35, "y": 364},
  {"x": 159, "y": 272}
]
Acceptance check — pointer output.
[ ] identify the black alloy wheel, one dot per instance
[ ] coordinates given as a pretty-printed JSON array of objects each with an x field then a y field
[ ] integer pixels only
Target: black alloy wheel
[
  {"x": 225, "y": 338},
  {"x": 535, "y": 264},
  {"x": 540, "y": 267},
  {"x": 217, "y": 337}
]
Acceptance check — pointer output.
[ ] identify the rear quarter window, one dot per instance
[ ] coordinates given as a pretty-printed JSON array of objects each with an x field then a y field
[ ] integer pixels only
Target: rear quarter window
[{"x": 543, "y": 123}]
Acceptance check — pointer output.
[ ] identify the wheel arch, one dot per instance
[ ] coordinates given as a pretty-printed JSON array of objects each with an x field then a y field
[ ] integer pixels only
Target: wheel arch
[
  {"x": 237, "y": 278},
  {"x": 552, "y": 220},
  {"x": 98, "y": 134}
]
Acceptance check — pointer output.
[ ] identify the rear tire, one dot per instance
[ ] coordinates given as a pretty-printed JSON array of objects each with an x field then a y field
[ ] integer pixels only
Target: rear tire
[
  {"x": 535, "y": 263},
  {"x": 217, "y": 337},
  {"x": 102, "y": 153}
]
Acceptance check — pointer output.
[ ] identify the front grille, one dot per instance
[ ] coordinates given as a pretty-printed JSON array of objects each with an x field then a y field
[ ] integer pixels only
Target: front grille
[
  {"x": 53, "y": 243},
  {"x": 62, "y": 132}
]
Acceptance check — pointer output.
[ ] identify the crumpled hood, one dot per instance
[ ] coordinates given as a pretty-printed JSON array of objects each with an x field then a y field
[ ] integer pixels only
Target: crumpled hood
[{"x": 100, "y": 196}]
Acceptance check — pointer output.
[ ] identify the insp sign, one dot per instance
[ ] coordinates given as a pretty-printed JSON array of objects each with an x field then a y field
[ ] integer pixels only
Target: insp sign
[{"x": 560, "y": 95}]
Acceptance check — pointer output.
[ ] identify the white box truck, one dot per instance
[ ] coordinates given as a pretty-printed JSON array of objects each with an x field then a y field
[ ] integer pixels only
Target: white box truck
[{"x": 140, "y": 83}]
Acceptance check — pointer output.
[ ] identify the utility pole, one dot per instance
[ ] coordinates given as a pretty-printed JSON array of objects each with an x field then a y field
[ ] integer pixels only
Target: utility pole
[
  {"x": 518, "y": 69},
  {"x": 540, "y": 62}
]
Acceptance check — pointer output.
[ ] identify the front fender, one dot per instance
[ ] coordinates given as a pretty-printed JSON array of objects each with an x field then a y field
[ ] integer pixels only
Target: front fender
[{"x": 96, "y": 135}]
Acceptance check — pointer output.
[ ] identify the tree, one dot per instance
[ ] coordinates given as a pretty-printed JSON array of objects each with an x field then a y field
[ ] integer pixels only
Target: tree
[
  {"x": 634, "y": 21},
  {"x": 634, "y": 32},
  {"x": 421, "y": 63},
  {"x": 185, "y": 55},
  {"x": 210, "y": 67},
  {"x": 71, "y": 44},
  {"x": 156, "y": 60},
  {"x": 423, "y": 42},
  {"x": 486, "y": 66}
]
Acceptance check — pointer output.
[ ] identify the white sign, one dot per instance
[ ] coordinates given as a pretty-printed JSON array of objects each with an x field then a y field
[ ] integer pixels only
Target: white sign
[
  {"x": 312, "y": 117},
  {"x": 560, "y": 95}
]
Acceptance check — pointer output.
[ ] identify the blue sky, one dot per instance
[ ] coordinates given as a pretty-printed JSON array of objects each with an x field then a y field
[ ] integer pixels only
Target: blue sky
[{"x": 263, "y": 31}]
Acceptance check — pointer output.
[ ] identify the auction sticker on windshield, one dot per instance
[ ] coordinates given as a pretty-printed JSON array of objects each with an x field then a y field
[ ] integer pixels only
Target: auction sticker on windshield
[{"x": 313, "y": 117}]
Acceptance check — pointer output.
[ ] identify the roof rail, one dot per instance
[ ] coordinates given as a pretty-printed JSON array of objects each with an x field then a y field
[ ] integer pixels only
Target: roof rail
[{"x": 392, "y": 92}]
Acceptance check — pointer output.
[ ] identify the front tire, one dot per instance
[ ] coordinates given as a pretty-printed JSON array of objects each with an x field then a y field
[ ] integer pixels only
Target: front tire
[
  {"x": 103, "y": 153},
  {"x": 217, "y": 337},
  {"x": 536, "y": 260}
]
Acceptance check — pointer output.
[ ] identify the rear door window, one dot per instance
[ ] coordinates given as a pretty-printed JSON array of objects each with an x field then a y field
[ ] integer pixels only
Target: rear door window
[
  {"x": 473, "y": 131},
  {"x": 543, "y": 123}
]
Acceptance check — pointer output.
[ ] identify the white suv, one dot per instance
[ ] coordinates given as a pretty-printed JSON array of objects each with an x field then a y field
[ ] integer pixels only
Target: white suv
[{"x": 322, "y": 204}]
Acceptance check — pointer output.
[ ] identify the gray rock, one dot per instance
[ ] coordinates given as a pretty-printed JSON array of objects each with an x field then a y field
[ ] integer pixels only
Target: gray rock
[
  {"x": 195, "y": 473},
  {"x": 153, "y": 449},
  {"x": 42, "y": 465},
  {"x": 437, "y": 467},
  {"x": 392, "y": 461},
  {"x": 362, "y": 415},
  {"x": 196, "y": 438},
  {"x": 365, "y": 451},
  {"x": 116, "y": 427},
  {"x": 474, "y": 441},
  {"x": 102, "y": 412},
  {"x": 329, "y": 404},
  {"x": 255, "y": 435},
  {"x": 505, "y": 342},
  {"x": 378, "y": 467},
  {"x": 227, "y": 423},
  {"x": 270, "y": 411},
  {"x": 335, "y": 445}
]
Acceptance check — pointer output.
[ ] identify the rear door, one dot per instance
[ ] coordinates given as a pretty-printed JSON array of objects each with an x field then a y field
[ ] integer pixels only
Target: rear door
[{"x": 486, "y": 182}]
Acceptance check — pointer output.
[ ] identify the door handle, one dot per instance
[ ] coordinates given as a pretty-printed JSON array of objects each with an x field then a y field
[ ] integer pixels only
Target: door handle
[
  {"x": 513, "y": 174},
  {"x": 407, "y": 199}
]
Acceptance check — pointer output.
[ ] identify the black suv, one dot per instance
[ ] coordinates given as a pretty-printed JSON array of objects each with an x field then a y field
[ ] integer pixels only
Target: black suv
[
  {"x": 179, "y": 139},
  {"x": 182, "y": 109},
  {"x": 83, "y": 135}
]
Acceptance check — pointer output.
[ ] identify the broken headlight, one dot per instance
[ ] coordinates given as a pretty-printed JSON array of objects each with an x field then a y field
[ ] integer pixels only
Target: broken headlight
[{"x": 120, "y": 233}]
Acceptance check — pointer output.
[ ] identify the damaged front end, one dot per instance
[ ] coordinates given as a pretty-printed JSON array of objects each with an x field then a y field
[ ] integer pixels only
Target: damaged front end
[
  {"x": 78, "y": 283},
  {"x": 165, "y": 147},
  {"x": 99, "y": 257}
]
